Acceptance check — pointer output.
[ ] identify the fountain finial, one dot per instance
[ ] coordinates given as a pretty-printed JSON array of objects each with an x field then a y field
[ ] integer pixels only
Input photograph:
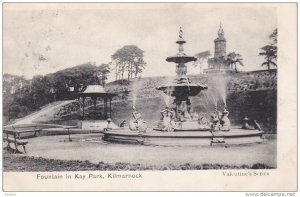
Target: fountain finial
[
  {"x": 180, "y": 33},
  {"x": 180, "y": 40}
]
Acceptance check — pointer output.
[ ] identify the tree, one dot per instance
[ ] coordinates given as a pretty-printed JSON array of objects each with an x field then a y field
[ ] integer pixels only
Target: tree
[
  {"x": 79, "y": 77},
  {"x": 270, "y": 51},
  {"x": 129, "y": 58},
  {"x": 233, "y": 59},
  {"x": 102, "y": 73}
]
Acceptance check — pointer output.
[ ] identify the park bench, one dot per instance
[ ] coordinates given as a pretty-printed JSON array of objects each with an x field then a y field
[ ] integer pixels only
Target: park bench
[{"x": 12, "y": 136}]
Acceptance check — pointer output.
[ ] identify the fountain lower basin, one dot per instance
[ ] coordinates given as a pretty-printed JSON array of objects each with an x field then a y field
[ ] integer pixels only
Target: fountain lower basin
[{"x": 184, "y": 138}]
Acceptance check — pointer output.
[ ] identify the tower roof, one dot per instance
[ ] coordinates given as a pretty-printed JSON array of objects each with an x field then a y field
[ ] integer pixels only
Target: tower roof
[
  {"x": 220, "y": 34},
  {"x": 221, "y": 31}
]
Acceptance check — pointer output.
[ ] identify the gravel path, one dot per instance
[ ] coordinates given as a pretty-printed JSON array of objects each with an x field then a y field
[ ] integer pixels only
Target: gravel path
[
  {"x": 90, "y": 147},
  {"x": 43, "y": 112}
]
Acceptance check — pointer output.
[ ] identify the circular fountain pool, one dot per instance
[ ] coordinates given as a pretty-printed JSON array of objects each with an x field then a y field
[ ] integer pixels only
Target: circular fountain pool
[{"x": 184, "y": 138}]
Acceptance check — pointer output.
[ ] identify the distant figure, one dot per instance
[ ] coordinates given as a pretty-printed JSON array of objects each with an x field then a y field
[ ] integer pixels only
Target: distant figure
[
  {"x": 108, "y": 127},
  {"x": 256, "y": 125},
  {"x": 246, "y": 125},
  {"x": 123, "y": 123}
]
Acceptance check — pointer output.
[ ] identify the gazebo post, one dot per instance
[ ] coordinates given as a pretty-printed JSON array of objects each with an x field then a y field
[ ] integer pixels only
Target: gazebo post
[
  {"x": 105, "y": 107},
  {"x": 110, "y": 107},
  {"x": 95, "y": 104},
  {"x": 83, "y": 98}
]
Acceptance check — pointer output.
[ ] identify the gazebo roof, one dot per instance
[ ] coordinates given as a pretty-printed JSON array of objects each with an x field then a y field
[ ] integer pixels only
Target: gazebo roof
[{"x": 96, "y": 91}]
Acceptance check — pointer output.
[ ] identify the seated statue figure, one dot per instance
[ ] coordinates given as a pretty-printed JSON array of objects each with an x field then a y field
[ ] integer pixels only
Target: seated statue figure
[
  {"x": 186, "y": 115},
  {"x": 123, "y": 123},
  {"x": 167, "y": 120},
  {"x": 215, "y": 120},
  {"x": 224, "y": 121},
  {"x": 137, "y": 123},
  {"x": 203, "y": 121},
  {"x": 195, "y": 116}
]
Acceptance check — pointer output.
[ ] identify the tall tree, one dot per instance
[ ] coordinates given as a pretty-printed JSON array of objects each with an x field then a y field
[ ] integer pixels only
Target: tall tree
[
  {"x": 270, "y": 51},
  {"x": 129, "y": 58},
  {"x": 233, "y": 59},
  {"x": 102, "y": 73}
]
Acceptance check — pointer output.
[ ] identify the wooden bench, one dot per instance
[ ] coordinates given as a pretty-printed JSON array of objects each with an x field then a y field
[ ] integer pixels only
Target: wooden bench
[{"x": 13, "y": 137}]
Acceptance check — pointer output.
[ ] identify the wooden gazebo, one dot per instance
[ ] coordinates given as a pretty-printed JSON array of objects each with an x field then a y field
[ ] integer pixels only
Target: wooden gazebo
[{"x": 95, "y": 92}]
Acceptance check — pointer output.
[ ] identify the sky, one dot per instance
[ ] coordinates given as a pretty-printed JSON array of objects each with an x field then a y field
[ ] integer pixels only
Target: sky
[{"x": 45, "y": 38}]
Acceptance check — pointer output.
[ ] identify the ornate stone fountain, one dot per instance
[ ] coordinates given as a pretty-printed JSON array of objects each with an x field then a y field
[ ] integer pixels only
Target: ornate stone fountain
[
  {"x": 178, "y": 125},
  {"x": 181, "y": 89}
]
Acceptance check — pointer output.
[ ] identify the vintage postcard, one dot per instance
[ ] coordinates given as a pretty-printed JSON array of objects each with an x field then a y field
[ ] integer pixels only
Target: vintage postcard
[{"x": 149, "y": 97}]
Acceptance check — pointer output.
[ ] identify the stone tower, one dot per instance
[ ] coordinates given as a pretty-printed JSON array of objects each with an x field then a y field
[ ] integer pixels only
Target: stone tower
[{"x": 220, "y": 44}]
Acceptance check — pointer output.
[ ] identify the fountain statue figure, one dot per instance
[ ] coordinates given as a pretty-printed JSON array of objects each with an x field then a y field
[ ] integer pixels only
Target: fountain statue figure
[
  {"x": 137, "y": 123},
  {"x": 215, "y": 120},
  {"x": 224, "y": 121}
]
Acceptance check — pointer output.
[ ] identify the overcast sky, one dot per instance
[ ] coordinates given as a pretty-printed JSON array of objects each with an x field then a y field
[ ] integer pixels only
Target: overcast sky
[{"x": 45, "y": 38}]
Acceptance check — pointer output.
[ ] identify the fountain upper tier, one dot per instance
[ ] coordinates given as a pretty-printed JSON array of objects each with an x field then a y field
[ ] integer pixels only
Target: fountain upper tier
[
  {"x": 181, "y": 57},
  {"x": 181, "y": 88}
]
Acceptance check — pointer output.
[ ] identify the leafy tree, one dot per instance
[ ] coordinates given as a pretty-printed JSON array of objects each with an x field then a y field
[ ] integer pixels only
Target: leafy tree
[
  {"x": 40, "y": 91},
  {"x": 79, "y": 77},
  {"x": 270, "y": 51},
  {"x": 102, "y": 73},
  {"x": 233, "y": 59},
  {"x": 129, "y": 58}
]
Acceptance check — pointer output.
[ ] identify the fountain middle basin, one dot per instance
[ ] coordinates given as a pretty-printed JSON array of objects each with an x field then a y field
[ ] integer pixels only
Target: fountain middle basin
[{"x": 186, "y": 138}]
